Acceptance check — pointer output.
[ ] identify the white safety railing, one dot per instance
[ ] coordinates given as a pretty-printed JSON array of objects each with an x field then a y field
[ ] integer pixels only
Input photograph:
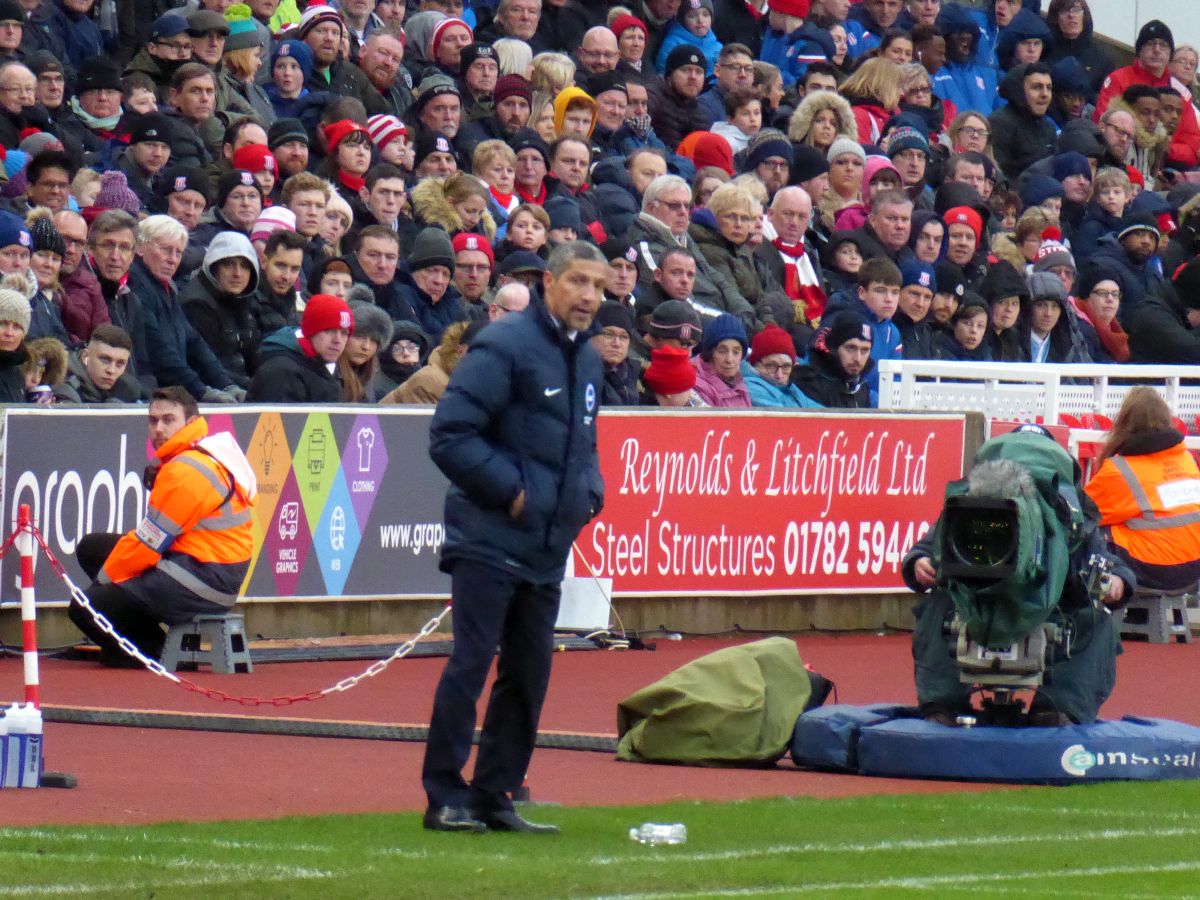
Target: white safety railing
[{"x": 1027, "y": 392}]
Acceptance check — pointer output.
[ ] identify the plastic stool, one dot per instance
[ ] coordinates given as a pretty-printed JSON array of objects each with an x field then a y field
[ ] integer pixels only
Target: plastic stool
[
  {"x": 223, "y": 636},
  {"x": 1159, "y": 617}
]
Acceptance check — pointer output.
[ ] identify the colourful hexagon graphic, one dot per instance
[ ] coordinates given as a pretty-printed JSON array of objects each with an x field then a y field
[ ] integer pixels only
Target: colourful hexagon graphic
[
  {"x": 288, "y": 539},
  {"x": 316, "y": 463},
  {"x": 364, "y": 462},
  {"x": 271, "y": 460},
  {"x": 336, "y": 537}
]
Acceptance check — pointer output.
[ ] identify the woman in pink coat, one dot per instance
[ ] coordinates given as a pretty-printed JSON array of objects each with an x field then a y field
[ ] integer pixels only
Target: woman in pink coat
[{"x": 718, "y": 364}]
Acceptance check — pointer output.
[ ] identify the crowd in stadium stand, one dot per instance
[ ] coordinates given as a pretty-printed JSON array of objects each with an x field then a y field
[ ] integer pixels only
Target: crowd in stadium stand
[{"x": 281, "y": 202}]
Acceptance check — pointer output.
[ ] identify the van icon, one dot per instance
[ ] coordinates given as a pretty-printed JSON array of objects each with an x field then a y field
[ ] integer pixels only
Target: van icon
[{"x": 289, "y": 521}]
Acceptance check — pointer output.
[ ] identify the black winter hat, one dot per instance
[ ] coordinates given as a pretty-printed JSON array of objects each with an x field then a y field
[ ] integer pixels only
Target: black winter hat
[
  {"x": 151, "y": 127},
  {"x": 429, "y": 142},
  {"x": 614, "y": 315},
  {"x": 432, "y": 247},
  {"x": 564, "y": 213},
  {"x": 11, "y": 11},
  {"x": 1002, "y": 281},
  {"x": 1154, "y": 30},
  {"x": 476, "y": 51},
  {"x": 619, "y": 248},
  {"x": 807, "y": 163},
  {"x": 528, "y": 139},
  {"x": 44, "y": 236},
  {"x": 1081, "y": 136},
  {"x": 847, "y": 326},
  {"x": 1096, "y": 271},
  {"x": 284, "y": 131},
  {"x": 406, "y": 330},
  {"x": 41, "y": 61},
  {"x": 683, "y": 55},
  {"x": 1138, "y": 220},
  {"x": 184, "y": 178},
  {"x": 232, "y": 180},
  {"x": 97, "y": 74},
  {"x": 951, "y": 279}
]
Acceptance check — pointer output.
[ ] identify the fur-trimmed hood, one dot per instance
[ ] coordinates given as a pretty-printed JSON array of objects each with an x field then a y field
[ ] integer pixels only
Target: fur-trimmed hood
[
  {"x": 803, "y": 117},
  {"x": 445, "y": 355},
  {"x": 431, "y": 206},
  {"x": 1145, "y": 140},
  {"x": 53, "y": 354}
]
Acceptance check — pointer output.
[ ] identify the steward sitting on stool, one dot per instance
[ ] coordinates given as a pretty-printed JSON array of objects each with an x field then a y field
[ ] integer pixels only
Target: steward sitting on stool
[
  {"x": 191, "y": 552},
  {"x": 1049, "y": 584},
  {"x": 1148, "y": 492}
]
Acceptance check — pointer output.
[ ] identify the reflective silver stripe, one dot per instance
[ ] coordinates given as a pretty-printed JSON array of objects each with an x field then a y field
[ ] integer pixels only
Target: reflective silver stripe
[
  {"x": 163, "y": 521},
  {"x": 1135, "y": 486},
  {"x": 220, "y": 523},
  {"x": 1150, "y": 520},
  {"x": 172, "y": 569},
  {"x": 648, "y": 256},
  {"x": 1155, "y": 523},
  {"x": 215, "y": 480}
]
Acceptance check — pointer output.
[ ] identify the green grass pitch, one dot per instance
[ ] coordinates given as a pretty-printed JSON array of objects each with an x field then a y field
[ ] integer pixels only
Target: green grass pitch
[{"x": 1112, "y": 840}]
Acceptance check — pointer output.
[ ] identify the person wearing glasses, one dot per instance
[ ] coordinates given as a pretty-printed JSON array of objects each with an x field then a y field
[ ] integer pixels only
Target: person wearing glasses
[
  {"x": 167, "y": 48},
  {"x": 734, "y": 71},
  {"x": 1154, "y": 46},
  {"x": 611, "y": 343},
  {"x": 18, "y": 103}
]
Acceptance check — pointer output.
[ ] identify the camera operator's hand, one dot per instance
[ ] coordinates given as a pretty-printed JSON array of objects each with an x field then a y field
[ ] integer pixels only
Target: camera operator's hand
[
  {"x": 924, "y": 571},
  {"x": 1116, "y": 590}
]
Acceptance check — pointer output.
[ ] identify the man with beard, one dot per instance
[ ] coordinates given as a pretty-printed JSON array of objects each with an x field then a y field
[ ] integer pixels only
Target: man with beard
[
  {"x": 288, "y": 140},
  {"x": 381, "y": 60},
  {"x": 1130, "y": 251},
  {"x": 321, "y": 27},
  {"x": 1022, "y": 133},
  {"x": 673, "y": 106},
  {"x": 963, "y": 81},
  {"x": 510, "y": 101},
  {"x": 838, "y": 363},
  {"x": 597, "y": 54},
  {"x": 274, "y": 301}
]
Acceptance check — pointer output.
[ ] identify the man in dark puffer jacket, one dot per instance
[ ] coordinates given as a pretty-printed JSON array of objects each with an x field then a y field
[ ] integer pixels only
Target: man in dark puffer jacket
[{"x": 300, "y": 365}]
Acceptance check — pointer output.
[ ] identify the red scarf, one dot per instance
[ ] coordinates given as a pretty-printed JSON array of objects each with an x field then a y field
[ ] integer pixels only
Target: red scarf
[
  {"x": 505, "y": 200},
  {"x": 539, "y": 198},
  {"x": 354, "y": 182},
  {"x": 800, "y": 279}
]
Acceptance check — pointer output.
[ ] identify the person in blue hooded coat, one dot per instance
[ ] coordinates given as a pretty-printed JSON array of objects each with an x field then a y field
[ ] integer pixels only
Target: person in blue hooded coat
[
  {"x": 993, "y": 22},
  {"x": 689, "y": 29},
  {"x": 963, "y": 81},
  {"x": 1025, "y": 26},
  {"x": 76, "y": 29}
]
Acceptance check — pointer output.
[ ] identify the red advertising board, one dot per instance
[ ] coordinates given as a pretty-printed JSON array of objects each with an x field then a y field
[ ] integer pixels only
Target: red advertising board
[{"x": 711, "y": 503}]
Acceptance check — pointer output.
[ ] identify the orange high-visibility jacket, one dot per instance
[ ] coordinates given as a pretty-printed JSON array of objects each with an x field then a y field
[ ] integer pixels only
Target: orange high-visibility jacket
[
  {"x": 198, "y": 528},
  {"x": 1151, "y": 505}
]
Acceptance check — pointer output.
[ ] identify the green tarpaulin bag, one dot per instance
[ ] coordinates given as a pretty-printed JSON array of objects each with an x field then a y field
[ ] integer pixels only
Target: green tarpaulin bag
[{"x": 737, "y": 706}]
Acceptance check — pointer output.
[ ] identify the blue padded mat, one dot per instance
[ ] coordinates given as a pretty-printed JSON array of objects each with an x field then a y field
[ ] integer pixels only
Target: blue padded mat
[{"x": 888, "y": 740}]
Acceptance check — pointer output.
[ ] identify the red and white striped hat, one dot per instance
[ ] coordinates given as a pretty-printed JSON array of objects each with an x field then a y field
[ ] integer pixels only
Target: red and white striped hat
[{"x": 384, "y": 128}]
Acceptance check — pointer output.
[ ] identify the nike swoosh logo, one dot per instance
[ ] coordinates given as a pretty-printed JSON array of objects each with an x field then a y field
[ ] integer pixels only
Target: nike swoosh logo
[{"x": 551, "y": 392}]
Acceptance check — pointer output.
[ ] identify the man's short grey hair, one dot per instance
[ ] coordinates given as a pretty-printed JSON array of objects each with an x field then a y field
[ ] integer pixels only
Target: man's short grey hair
[
  {"x": 510, "y": 291},
  {"x": 110, "y": 221},
  {"x": 563, "y": 255},
  {"x": 890, "y": 197},
  {"x": 161, "y": 228},
  {"x": 660, "y": 186}
]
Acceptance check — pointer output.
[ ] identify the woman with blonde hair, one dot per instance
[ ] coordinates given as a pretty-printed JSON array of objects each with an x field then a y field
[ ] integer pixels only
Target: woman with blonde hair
[
  {"x": 239, "y": 67},
  {"x": 874, "y": 94},
  {"x": 458, "y": 204},
  {"x": 722, "y": 234},
  {"x": 552, "y": 73},
  {"x": 917, "y": 97},
  {"x": 541, "y": 116},
  {"x": 1148, "y": 491},
  {"x": 970, "y": 131}
]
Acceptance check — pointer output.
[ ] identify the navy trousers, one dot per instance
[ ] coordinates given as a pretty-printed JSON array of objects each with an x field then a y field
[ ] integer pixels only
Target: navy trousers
[{"x": 492, "y": 609}]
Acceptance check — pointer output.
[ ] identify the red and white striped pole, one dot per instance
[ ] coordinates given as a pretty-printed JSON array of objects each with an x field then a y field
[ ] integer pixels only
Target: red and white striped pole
[{"x": 28, "y": 609}]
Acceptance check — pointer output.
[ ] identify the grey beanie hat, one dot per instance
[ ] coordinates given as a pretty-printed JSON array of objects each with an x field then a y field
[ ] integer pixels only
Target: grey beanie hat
[
  {"x": 1047, "y": 286},
  {"x": 14, "y": 308},
  {"x": 432, "y": 247},
  {"x": 370, "y": 321},
  {"x": 845, "y": 145}
]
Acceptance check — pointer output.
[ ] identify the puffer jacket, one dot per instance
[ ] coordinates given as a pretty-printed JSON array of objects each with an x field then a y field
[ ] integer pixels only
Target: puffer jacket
[
  {"x": 1019, "y": 138},
  {"x": 432, "y": 317},
  {"x": 289, "y": 372},
  {"x": 1159, "y": 333},
  {"x": 225, "y": 321},
  {"x": 674, "y": 116},
  {"x": 77, "y": 32},
  {"x": 617, "y": 203},
  {"x": 520, "y": 415}
]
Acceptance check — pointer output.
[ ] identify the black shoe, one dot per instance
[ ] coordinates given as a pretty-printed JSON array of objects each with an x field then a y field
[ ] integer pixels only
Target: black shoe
[
  {"x": 452, "y": 818},
  {"x": 510, "y": 820}
]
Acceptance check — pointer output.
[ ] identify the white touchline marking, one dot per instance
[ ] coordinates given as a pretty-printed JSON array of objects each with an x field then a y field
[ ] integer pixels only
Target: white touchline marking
[
  {"x": 915, "y": 882},
  {"x": 233, "y": 875},
  {"x": 906, "y": 844}
]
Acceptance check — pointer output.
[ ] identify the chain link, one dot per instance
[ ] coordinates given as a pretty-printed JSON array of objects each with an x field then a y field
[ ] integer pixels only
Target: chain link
[{"x": 154, "y": 666}]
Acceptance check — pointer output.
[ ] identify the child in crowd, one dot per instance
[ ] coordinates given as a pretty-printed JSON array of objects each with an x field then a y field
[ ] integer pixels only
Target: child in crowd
[
  {"x": 876, "y": 300},
  {"x": 966, "y": 340},
  {"x": 692, "y": 26},
  {"x": 528, "y": 227},
  {"x": 743, "y": 119},
  {"x": 260, "y": 162},
  {"x": 1111, "y": 193},
  {"x": 349, "y": 157},
  {"x": 137, "y": 94},
  {"x": 566, "y": 223},
  {"x": 390, "y": 137},
  {"x": 841, "y": 259}
]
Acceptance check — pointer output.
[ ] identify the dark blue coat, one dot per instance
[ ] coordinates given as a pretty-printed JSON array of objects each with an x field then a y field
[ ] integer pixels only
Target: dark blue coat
[
  {"x": 78, "y": 33},
  {"x": 432, "y": 317},
  {"x": 520, "y": 415},
  {"x": 1137, "y": 282}
]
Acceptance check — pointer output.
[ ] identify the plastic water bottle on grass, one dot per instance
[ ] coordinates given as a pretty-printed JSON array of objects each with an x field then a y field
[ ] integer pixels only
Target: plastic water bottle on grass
[{"x": 653, "y": 834}]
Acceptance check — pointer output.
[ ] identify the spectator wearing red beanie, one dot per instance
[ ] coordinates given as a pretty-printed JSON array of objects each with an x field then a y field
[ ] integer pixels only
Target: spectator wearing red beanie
[
  {"x": 261, "y": 163},
  {"x": 670, "y": 378},
  {"x": 300, "y": 366}
]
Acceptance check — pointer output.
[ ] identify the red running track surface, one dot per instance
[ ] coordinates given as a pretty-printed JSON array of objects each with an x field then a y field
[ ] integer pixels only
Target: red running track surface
[{"x": 131, "y": 775}]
